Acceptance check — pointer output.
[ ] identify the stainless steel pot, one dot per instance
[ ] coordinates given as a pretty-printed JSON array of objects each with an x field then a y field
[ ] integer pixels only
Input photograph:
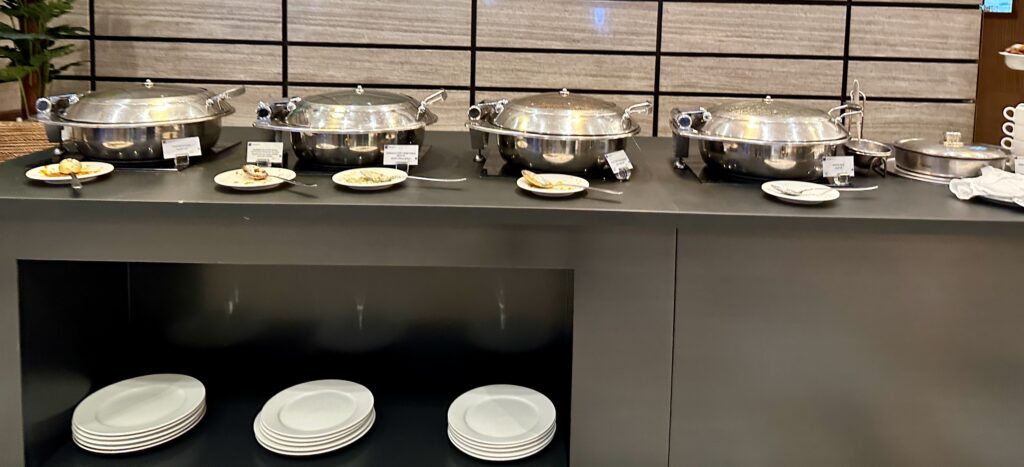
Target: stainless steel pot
[
  {"x": 554, "y": 132},
  {"x": 349, "y": 127},
  {"x": 763, "y": 139},
  {"x": 949, "y": 159},
  {"x": 131, "y": 123}
]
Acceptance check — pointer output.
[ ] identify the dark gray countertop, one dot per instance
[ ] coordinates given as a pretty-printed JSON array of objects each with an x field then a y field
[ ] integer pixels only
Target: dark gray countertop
[{"x": 657, "y": 194}]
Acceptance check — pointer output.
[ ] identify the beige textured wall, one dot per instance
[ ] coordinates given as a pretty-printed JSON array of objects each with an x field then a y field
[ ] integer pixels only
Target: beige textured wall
[{"x": 915, "y": 59}]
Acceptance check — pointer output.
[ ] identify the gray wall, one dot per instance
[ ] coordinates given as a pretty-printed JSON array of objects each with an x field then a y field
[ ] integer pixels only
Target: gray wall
[{"x": 918, "y": 59}]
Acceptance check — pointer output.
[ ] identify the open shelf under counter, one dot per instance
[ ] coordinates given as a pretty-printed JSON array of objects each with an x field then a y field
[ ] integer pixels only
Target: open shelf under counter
[{"x": 409, "y": 430}]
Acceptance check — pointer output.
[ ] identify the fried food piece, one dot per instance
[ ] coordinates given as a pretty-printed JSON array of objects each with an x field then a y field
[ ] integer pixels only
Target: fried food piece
[
  {"x": 69, "y": 166},
  {"x": 254, "y": 172}
]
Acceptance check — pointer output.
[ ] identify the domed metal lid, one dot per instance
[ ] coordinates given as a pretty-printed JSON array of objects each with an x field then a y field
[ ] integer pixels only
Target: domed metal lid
[
  {"x": 952, "y": 147},
  {"x": 144, "y": 103},
  {"x": 565, "y": 114},
  {"x": 771, "y": 121},
  {"x": 361, "y": 110}
]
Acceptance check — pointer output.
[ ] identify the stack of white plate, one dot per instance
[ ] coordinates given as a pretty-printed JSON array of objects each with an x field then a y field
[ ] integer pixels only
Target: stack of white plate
[
  {"x": 315, "y": 418},
  {"x": 501, "y": 422},
  {"x": 138, "y": 413}
]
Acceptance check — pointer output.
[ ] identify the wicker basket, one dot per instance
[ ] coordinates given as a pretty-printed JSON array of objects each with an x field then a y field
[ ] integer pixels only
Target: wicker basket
[{"x": 20, "y": 138}]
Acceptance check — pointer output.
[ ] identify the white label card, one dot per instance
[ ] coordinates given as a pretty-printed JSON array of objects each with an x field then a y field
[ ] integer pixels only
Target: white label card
[
  {"x": 401, "y": 154},
  {"x": 618, "y": 161},
  {"x": 1018, "y": 164},
  {"x": 182, "y": 147},
  {"x": 269, "y": 152},
  {"x": 837, "y": 166}
]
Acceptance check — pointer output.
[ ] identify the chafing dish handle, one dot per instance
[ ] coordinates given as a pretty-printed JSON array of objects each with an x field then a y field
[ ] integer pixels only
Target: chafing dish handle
[
  {"x": 640, "y": 109},
  {"x": 275, "y": 110},
  {"x": 233, "y": 92},
  {"x": 56, "y": 104},
  {"x": 688, "y": 121},
  {"x": 839, "y": 118},
  {"x": 486, "y": 111},
  {"x": 438, "y": 96}
]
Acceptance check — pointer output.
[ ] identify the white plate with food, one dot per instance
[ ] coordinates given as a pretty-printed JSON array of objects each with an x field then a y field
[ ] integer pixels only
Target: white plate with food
[
  {"x": 53, "y": 173},
  {"x": 370, "y": 178},
  {"x": 563, "y": 185},
  {"x": 796, "y": 192},
  {"x": 240, "y": 179}
]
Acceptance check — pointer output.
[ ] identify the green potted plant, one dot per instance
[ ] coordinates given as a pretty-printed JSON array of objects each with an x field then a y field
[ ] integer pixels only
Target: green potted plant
[{"x": 29, "y": 43}]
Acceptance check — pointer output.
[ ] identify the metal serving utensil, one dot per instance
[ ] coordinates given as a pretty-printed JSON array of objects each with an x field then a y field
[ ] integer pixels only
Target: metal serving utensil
[{"x": 251, "y": 171}]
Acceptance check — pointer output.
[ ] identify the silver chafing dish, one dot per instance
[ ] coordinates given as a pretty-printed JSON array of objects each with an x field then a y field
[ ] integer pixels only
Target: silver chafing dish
[
  {"x": 130, "y": 123},
  {"x": 554, "y": 132},
  {"x": 951, "y": 158},
  {"x": 349, "y": 127},
  {"x": 764, "y": 139}
]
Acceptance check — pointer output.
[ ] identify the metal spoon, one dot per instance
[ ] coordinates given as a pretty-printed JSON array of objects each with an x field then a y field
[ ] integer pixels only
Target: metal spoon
[
  {"x": 541, "y": 182},
  {"x": 442, "y": 180},
  {"x": 259, "y": 173}
]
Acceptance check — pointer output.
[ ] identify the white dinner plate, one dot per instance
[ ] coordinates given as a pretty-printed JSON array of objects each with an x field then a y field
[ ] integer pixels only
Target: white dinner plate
[
  {"x": 121, "y": 449},
  {"x": 238, "y": 180},
  {"x": 272, "y": 446},
  {"x": 501, "y": 414},
  {"x": 317, "y": 408},
  {"x": 139, "y": 437},
  {"x": 341, "y": 178},
  {"x": 303, "y": 442},
  {"x": 816, "y": 193},
  {"x": 500, "y": 457},
  {"x": 497, "y": 448},
  {"x": 555, "y": 192},
  {"x": 138, "y": 405},
  {"x": 97, "y": 169}
]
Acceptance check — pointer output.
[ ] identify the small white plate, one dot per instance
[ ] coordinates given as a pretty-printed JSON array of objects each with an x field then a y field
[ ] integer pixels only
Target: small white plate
[
  {"x": 500, "y": 457},
  {"x": 138, "y": 405},
  {"x": 121, "y": 449},
  {"x": 344, "y": 178},
  {"x": 317, "y": 409},
  {"x": 312, "y": 450},
  {"x": 555, "y": 192},
  {"x": 96, "y": 169},
  {"x": 501, "y": 414},
  {"x": 817, "y": 193},
  {"x": 238, "y": 180}
]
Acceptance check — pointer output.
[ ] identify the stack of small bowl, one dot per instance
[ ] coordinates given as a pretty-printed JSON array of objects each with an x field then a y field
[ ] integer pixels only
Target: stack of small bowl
[
  {"x": 315, "y": 418},
  {"x": 501, "y": 422}
]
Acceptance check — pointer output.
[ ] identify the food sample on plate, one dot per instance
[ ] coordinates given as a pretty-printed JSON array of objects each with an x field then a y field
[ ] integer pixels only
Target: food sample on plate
[
  {"x": 242, "y": 177},
  {"x": 368, "y": 177},
  {"x": 254, "y": 172},
  {"x": 67, "y": 167},
  {"x": 543, "y": 183},
  {"x": 1016, "y": 49}
]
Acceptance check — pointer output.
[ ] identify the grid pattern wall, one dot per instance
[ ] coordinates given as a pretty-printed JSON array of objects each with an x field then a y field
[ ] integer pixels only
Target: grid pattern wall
[{"x": 916, "y": 60}]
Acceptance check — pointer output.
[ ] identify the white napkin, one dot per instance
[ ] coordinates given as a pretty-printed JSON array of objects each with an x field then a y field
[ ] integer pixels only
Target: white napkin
[{"x": 993, "y": 183}]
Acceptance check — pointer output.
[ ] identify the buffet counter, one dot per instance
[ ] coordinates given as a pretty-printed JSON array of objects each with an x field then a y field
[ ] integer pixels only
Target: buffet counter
[
  {"x": 708, "y": 324},
  {"x": 656, "y": 195}
]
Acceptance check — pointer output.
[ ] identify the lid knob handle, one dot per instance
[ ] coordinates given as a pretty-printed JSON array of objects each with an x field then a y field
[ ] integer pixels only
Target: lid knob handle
[
  {"x": 359, "y": 89},
  {"x": 953, "y": 139},
  {"x": 564, "y": 92},
  {"x": 768, "y": 99},
  {"x": 148, "y": 84}
]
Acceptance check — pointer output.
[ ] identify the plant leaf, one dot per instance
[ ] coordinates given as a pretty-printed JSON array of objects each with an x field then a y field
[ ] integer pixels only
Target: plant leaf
[{"x": 14, "y": 73}]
